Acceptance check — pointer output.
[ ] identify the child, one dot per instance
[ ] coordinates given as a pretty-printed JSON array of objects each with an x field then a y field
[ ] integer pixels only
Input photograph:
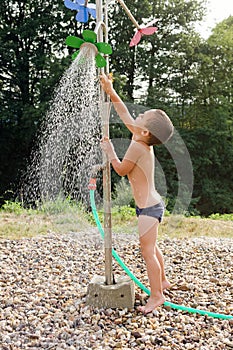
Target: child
[{"x": 150, "y": 128}]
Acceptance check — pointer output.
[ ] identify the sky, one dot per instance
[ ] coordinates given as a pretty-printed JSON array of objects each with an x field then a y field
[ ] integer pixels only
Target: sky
[{"x": 217, "y": 10}]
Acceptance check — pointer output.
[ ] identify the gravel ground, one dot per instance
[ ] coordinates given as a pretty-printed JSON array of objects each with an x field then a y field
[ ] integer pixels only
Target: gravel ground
[{"x": 43, "y": 286}]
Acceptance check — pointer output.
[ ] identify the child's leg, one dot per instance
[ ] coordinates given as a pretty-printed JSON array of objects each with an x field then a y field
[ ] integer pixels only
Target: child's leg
[
  {"x": 165, "y": 283},
  {"x": 148, "y": 231}
]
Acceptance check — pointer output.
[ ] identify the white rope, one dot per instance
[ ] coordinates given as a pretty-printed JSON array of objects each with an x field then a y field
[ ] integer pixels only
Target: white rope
[{"x": 129, "y": 14}]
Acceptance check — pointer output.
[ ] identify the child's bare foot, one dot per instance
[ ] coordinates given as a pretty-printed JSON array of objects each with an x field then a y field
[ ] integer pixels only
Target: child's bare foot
[
  {"x": 166, "y": 284},
  {"x": 152, "y": 304}
]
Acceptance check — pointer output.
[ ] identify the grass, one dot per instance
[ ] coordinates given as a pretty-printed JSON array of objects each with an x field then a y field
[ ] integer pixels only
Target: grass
[
  {"x": 15, "y": 226},
  {"x": 61, "y": 216},
  {"x": 179, "y": 226},
  {"x": 186, "y": 227},
  {"x": 65, "y": 216}
]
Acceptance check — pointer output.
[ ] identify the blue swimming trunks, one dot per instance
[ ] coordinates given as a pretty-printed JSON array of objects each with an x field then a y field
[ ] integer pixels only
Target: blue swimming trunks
[{"x": 156, "y": 211}]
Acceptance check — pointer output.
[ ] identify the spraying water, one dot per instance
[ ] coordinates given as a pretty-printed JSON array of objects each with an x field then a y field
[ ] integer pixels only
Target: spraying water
[{"x": 69, "y": 141}]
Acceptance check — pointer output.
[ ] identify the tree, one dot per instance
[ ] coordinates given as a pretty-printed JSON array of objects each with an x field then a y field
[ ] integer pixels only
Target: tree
[
  {"x": 123, "y": 60},
  {"x": 172, "y": 57},
  {"x": 160, "y": 61},
  {"x": 211, "y": 118},
  {"x": 212, "y": 158},
  {"x": 32, "y": 35},
  {"x": 213, "y": 98}
]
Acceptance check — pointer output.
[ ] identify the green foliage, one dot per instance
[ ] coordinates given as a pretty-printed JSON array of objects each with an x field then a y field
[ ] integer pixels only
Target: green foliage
[
  {"x": 58, "y": 206},
  {"x": 32, "y": 35},
  {"x": 13, "y": 207},
  {"x": 123, "y": 194},
  {"x": 161, "y": 61},
  {"x": 120, "y": 215},
  {"x": 225, "y": 217},
  {"x": 125, "y": 212},
  {"x": 123, "y": 59},
  {"x": 213, "y": 95},
  {"x": 211, "y": 152}
]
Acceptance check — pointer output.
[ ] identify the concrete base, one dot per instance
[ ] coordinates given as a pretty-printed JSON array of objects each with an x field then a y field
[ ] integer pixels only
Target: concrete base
[{"x": 119, "y": 295}]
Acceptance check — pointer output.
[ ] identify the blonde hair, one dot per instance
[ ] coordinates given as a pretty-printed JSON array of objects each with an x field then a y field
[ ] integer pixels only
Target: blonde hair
[{"x": 160, "y": 127}]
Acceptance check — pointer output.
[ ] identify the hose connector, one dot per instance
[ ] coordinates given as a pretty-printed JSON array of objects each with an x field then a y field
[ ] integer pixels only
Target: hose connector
[{"x": 92, "y": 184}]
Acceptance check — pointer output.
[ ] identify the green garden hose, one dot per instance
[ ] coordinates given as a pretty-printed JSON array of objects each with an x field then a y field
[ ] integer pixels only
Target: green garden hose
[{"x": 134, "y": 278}]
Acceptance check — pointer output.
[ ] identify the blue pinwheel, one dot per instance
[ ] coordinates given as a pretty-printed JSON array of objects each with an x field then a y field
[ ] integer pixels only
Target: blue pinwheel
[{"x": 84, "y": 9}]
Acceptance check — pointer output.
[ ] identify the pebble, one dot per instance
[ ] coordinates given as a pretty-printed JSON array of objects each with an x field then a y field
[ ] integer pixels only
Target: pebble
[{"x": 43, "y": 286}]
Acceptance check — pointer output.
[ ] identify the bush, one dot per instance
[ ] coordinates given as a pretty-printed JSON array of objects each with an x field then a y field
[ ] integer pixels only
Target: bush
[
  {"x": 217, "y": 216},
  {"x": 123, "y": 194},
  {"x": 13, "y": 207},
  {"x": 58, "y": 206}
]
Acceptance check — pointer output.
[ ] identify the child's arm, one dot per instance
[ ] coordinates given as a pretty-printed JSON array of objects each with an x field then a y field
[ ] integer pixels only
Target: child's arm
[
  {"x": 119, "y": 105},
  {"x": 121, "y": 168}
]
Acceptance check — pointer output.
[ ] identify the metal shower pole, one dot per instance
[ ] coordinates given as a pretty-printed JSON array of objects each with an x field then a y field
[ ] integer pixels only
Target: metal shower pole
[
  {"x": 102, "y": 35},
  {"x": 107, "y": 292}
]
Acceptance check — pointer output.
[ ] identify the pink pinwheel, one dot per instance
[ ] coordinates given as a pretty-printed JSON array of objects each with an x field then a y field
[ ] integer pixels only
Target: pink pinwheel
[{"x": 143, "y": 31}]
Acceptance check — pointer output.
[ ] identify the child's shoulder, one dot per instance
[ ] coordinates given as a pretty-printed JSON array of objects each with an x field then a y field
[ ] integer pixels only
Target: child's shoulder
[{"x": 141, "y": 145}]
